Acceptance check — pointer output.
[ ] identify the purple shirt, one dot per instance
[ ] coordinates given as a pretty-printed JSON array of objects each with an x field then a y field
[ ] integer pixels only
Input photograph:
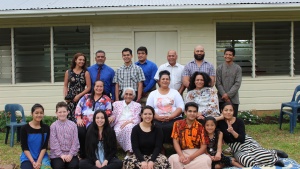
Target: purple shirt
[
  {"x": 192, "y": 67},
  {"x": 63, "y": 139}
]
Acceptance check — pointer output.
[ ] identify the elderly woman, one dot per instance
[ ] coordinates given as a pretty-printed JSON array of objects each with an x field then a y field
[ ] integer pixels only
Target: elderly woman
[
  {"x": 85, "y": 109},
  {"x": 246, "y": 150},
  {"x": 125, "y": 116},
  {"x": 201, "y": 93},
  {"x": 167, "y": 103}
]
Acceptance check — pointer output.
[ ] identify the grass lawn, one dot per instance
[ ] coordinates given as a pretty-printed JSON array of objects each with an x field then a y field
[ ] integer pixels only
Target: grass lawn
[{"x": 268, "y": 135}]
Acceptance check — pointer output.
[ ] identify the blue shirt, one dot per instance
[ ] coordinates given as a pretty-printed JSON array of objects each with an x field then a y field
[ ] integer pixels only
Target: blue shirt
[
  {"x": 107, "y": 75},
  {"x": 149, "y": 69}
]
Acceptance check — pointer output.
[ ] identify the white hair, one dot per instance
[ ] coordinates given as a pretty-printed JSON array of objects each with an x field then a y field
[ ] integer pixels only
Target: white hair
[{"x": 128, "y": 88}]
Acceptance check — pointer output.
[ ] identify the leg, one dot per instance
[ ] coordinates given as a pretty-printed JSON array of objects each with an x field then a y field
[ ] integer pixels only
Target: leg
[
  {"x": 87, "y": 164},
  {"x": 26, "y": 165},
  {"x": 235, "y": 109},
  {"x": 57, "y": 163},
  {"x": 73, "y": 164},
  {"x": 131, "y": 162},
  {"x": 114, "y": 163},
  {"x": 161, "y": 162},
  {"x": 81, "y": 137}
]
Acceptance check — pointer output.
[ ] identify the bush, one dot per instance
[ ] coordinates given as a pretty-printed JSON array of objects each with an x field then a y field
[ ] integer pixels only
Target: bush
[
  {"x": 46, "y": 120},
  {"x": 2, "y": 121},
  {"x": 249, "y": 117}
]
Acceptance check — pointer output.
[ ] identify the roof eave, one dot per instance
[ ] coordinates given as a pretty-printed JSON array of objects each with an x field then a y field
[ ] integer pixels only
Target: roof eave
[{"x": 147, "y": 10}]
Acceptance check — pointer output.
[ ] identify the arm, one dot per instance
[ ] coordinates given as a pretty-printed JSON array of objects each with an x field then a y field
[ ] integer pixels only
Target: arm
[
  {"x": 135, "y": 144},
  {"x": 45, "y": 145},
  {"x": 140, "y": 91},
  {"x": 113, "y": 152},
  {"x": 75, "y": 142},
  {"x": 237, "y": 131},
  {"x": 186, "y": 76},
  {"x": 117, "y": 92},
  {"x": 66, "y": 81},
  {"x": 113, "y": 88},
  {"x": 87, "y": 89},
  {"x": 54, "y": 142},
  {"x": 152, "y": 81},
  {"x": 219, "y": 84},
  {"x": 186, "y": 81},
  {"x": 107, "y": 106},
  {"x": 213, "y": 79},
  {"x": 237, "y": 83},
  {"x": 212, "y": 75},
  {"x": 179, "y": 104},
  {"x": 219, "y": 147},
  {"x": 158, "y": 143},
  {"x": 136, "y": 119},
  {"x": 181, "y": 89},
  {"x": 24, "y": 143},
  {"x": 200, "y": 151}
]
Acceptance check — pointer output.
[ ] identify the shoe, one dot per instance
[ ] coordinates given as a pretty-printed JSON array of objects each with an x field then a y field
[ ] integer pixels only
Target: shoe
[
  {"x": 227, "y": 151},
  {"x": 125, "y": 158},
  {"x": 279, "y": 163},
  {"x": 281, "y": 154}
]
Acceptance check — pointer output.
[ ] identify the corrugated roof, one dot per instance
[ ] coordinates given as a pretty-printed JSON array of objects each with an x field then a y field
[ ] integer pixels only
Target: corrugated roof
[{"x": 6, "y": 5}]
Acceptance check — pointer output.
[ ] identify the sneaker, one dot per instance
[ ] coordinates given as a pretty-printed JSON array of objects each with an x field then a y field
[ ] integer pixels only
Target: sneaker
[{"x": 227, "y": 151}]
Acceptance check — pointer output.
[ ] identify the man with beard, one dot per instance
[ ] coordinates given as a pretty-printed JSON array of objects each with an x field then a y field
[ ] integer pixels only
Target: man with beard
[
  {"x": 101, "y": 71},
  {"x": 198, "y": 65}
]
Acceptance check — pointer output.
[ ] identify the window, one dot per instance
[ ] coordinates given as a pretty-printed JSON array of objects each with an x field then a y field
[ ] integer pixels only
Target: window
[
  {"x": 239, "y": 36},
  {"x": 297, "y": 47},
  {"x": 5, "y": 56},
  {"x": 69, "y": 40},
  {"x": 32, "y": 55}
]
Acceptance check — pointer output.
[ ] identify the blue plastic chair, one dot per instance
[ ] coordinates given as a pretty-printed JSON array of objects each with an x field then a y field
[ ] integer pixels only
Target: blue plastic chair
[
  {"x": 12, "y": 125},
  {"x": 293, "y": 112}
]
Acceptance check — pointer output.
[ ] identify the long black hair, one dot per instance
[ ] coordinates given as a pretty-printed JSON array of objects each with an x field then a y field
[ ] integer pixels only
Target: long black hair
[
  {"x": 33, "y": 108},
  {"x": 206, "y": 78},
  {"x": 92, "y": 137},
  {"x": 75, "y": 57},
  {"x": 153, "y": 113},
  {"x": 217, "y": 131}
]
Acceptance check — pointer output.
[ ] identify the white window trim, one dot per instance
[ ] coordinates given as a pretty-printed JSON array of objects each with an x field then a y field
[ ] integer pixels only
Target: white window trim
[
  {"x": 292, "y": 74},
  {"x": 12, "y": 56}
]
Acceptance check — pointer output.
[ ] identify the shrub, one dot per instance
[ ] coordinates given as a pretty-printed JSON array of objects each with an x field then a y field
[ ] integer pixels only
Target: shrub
[
  {"x": 46, "y": 120},
  {"x": 2, "y": 121},
  {"x": 249, "y": 117}
]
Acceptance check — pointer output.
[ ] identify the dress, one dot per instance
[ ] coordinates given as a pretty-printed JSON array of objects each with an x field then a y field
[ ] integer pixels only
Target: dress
[
  {"x": 165, "y": 105},
  {"x": 207, "y": 100},
  {"x": 122, "y": 113},
  {"x": 31, "y": 140},
  {"x": 87, "y": 106},
  {"x": 77, "y": 85},
  {"x": 146, "y": 147},
  {"x": 246, "y": 150},
  {"x": 190, "y": 140}
]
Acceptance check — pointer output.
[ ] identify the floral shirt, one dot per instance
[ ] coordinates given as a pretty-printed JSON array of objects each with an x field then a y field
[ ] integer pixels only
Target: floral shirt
[
  {"x": 207, "y": 100},
  {"x": 189, "y": 137},
  {"x": 87, "y": 106}
]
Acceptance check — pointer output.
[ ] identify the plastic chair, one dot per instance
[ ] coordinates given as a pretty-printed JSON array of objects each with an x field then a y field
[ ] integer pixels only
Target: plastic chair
[
  {"x": 12, "y": 125},
  {"x": 292, "y": 111}
]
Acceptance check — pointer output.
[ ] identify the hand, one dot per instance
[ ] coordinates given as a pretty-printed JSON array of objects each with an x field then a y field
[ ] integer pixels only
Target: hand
[
  {"x": 200, "y": 116},
  {"x": 104, "y": 163},
  {"x": 98, "y": 164},
  {"x": 218, "y": 157},
  {"x": 144, "y": 165},
  {"x": 182, "y": 158},
  {"x": 63, "y": 157},
  {"x": 225, "y": 97},
  {"x": 150, "y": 165},
  {"x": 68, "y": 158},
  {"x": 187, "y": 161},
  {"x": 111, "y": 119},
  {"x": 124, "y": 124},
  {"x": 212, "y": 158},
  {"x": 36, "y": 165},
  {"x": 80, "y": 122},
  {"x": 76, "y": 98},
  {"x": 229, "y": 129}
]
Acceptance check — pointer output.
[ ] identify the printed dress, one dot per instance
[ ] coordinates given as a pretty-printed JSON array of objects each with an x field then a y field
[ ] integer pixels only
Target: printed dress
[{"x": 77, "y": 85}]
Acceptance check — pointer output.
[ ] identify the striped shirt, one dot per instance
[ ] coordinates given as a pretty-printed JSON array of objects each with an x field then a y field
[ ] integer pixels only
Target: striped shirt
[
  {"x": 63, "y": 139},
  {"x": 129, "y": 76},
  {"x": 192, "y": 67}
]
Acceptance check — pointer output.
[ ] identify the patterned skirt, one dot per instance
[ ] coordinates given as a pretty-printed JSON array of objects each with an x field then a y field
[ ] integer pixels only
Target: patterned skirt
[{"x": 132, "y": 162}]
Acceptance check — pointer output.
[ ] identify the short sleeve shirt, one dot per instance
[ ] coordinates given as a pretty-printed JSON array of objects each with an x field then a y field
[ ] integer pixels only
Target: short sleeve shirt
[{"x": 192, "y": 67}]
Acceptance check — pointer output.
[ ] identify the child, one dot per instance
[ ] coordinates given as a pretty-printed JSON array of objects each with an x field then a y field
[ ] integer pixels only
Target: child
[
  {"x": 214, "y": 148},
  {"x": 64, "y": 144},
  {"x": 34, "y": 141}
]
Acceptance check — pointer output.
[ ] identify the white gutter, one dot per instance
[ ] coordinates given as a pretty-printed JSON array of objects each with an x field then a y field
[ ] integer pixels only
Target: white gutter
[{"x": 148, "y": 10}]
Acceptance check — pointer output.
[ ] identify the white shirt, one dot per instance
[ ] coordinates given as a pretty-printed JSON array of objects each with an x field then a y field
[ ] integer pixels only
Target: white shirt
[{"x": 175, "y": 74}]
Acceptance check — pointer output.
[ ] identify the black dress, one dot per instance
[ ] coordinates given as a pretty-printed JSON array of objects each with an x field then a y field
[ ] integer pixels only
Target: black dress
[{"x": 77, "y": 84}]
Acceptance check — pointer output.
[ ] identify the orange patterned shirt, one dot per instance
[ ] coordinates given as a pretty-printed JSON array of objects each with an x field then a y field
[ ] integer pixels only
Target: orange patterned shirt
[{"x": 189, "y": 138}]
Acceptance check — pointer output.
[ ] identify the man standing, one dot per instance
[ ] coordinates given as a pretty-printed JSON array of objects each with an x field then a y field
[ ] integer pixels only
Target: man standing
[
  {"x": 200, "y": 65},
  {"x": 229, "y": 79},
  {"x": 149, "y": 68},
  {"x": 101, "y": 71},
  {"x": 190, "y": 141},
  {"x": 128, "y": 75},
  {"x": 175, "y": 70}
]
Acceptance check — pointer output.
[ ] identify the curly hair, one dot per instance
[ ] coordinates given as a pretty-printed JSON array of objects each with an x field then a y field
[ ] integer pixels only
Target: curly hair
[{"x": 206, "y": 78}]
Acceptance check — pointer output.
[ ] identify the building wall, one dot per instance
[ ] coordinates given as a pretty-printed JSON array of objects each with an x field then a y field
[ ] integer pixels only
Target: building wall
[{"x": 113, "y": 33}]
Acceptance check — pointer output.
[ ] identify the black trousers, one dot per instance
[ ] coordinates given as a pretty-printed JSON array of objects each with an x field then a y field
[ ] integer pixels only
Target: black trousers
[
  {"x": 81, "y": 137},
  {"x": 235, "y": 108},
  {"x": 58, "y": 163},
  {"x": 114, "y": 163},
  {"x": 167, "y": 128}
]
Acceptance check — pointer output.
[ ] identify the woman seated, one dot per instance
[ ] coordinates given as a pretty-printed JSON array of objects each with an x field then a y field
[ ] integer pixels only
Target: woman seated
[
  {"x": 101, "y": 147},
  {"x": 146, "y": 144},
  {"x": 167, "y": 103},
  {"x": 125, "y": 116},
  {"x": 201, "y": 93},
  {"x": 244, "y": 148},
  {"x": 85, "y": 109}
]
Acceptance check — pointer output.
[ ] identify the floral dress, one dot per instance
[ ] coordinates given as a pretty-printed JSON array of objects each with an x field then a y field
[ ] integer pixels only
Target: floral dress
[{"x": 77, "y": 84}]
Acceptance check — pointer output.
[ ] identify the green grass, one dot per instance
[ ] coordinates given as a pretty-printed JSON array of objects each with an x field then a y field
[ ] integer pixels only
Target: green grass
[{"x": 269, "y": 136}]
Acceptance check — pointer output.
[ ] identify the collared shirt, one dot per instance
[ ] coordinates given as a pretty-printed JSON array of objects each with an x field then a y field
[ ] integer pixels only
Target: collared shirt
[
  {"x": 229, "y": 79},
  {"x": 149, "y": 69},
  {"x": 189, "y": 137},
  {"x": 63, "y": 139},
  {"x": 129, "y": 76},
  {"x": 192, "y": 67},
  {"x": 107, "y": 75},
  {"x": 175, "y": 73}
]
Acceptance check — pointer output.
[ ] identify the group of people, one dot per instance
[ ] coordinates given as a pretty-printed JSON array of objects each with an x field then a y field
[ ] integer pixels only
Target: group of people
[{"x": 105, "y": 107}]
